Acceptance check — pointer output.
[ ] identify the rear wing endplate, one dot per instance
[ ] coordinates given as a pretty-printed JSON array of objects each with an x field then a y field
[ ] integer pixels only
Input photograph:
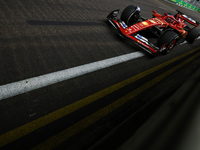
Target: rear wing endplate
[{"x": 188, "y": 19}]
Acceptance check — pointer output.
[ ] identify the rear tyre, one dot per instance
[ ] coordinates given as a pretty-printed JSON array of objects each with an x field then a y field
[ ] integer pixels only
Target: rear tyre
[
  {"x": 192, "y": 35},
  {"x": 130, "y": 15},
  {"x": 167, "y": 41}
]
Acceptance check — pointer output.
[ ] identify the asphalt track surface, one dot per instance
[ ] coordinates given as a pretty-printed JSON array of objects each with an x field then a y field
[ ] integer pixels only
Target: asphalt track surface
[{"x": 66, "y": 79}]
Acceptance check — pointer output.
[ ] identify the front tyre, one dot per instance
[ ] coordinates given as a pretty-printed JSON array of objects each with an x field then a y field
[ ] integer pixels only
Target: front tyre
[
  {"x": 130, "y": 14},
  {"x": 167, "y": 41}
]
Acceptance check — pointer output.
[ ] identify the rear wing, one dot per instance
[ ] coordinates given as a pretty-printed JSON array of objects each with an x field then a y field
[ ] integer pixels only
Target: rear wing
[{"x": 186, "y": 18}]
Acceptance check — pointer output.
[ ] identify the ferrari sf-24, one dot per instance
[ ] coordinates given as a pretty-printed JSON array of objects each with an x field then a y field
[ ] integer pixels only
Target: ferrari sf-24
[{"x": 160, "y": 34}]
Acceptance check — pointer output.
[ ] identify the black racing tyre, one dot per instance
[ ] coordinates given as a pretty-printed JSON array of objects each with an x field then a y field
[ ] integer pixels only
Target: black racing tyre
[
  {"x": 130, "y": 15},
  {"x": 192, "y": 35},
  {"x": 167, "y": 41}
]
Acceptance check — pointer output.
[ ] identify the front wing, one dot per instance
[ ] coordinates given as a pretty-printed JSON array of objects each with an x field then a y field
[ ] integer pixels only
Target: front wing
[{"x": 136, "y": 38}]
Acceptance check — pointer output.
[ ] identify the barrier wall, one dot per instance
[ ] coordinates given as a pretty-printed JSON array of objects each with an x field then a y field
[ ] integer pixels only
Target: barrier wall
[{"x": 185, "y": 4}]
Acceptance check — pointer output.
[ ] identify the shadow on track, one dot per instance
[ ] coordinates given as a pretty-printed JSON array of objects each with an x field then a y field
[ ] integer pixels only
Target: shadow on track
[{"x": 38, "y": 22}]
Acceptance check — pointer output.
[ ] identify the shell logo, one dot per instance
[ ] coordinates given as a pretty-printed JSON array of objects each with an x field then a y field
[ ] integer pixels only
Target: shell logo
[
  {"x": 145, "y": 23},
  {"x": 184, "y": 34},
  {"x": 152, "y": 21}
]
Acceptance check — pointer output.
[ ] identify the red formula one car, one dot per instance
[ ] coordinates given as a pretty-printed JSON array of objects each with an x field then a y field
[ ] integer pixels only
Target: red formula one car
[{"x": 168, "y": 30}]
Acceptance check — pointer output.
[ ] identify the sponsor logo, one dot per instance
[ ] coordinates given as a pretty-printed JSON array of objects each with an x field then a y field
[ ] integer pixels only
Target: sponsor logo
[
  {"x": 190, "y": 19},
  {"x": 152, "y": 21},
  {"x": 142, "y": 39},
  {"x": 138, "y": 27},
  {"x": 159, "y": 21},
  {"x": 115, "y": 13},
  {"x": 184, "y": 34},
  {"x": 135, "y": 27},
  {"x": 145, "y": 23},
  {"x": 129, "y": 29}
]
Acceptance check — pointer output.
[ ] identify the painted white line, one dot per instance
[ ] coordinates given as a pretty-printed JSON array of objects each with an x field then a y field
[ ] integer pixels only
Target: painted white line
[
  {"x": 20, "y": 87},
  {"x": 23, "y": 86}
]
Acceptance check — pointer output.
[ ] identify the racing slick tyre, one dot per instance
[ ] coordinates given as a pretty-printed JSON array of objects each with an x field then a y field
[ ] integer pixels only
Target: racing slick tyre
[
  {"x": 192, "y": 35},
  {"x": 167, "y": 41},
  {"x": 130, "y": 15}
]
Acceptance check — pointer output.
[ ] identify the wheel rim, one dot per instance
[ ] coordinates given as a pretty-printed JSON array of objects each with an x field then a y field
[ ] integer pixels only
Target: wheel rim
[
  {"x": 171, "y": 45},
  {"x": 163, "y": 48}
]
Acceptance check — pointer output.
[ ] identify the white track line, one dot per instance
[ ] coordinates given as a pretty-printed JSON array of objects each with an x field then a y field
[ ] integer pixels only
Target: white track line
[
  {"x": 20, "y": 87},
  {"x": 23, "y": 86}
]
